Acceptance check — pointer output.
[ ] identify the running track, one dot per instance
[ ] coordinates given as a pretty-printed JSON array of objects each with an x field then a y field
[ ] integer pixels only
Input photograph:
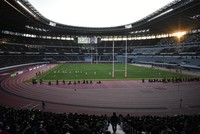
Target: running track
[{"x": 123, "y": 97}]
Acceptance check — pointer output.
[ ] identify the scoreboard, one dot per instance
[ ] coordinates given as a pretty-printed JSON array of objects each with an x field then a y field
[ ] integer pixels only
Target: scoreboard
[{"x": 87, "y": 40}]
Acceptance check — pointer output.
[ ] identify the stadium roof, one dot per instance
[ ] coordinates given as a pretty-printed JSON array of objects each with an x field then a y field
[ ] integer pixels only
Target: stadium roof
[{"x": 179, "y": 15}]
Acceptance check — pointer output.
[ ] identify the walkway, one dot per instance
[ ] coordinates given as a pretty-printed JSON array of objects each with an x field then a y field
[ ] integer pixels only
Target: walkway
[{"x": 119, "y": 129}]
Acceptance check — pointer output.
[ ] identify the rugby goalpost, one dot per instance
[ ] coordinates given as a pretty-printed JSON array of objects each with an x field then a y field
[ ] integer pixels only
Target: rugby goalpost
[{"x": 125, "y": 61}]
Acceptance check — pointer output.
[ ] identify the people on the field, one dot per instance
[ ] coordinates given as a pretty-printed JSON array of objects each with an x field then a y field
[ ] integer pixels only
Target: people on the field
[
  {"x": 49, "y": 83},
  {"x": 43, "y": 105},
  {"x": 63, "y": 82}
]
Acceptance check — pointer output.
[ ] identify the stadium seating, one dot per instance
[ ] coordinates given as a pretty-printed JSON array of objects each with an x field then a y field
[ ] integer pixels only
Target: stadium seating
[
  {"x": 27, "y": 37},
  {"x": 177, "y": 124},
  {"x": 19, "y": 121},
  {"x": 21, "y": 50}
]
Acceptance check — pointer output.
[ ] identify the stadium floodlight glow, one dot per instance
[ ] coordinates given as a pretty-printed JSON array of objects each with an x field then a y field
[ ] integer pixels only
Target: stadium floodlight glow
[
  {"x": 52, "y": 24},
  {"x": 179, "y": 34},
  {"x": 128, "y": 26},
  {"x": 195, "y": 16}
]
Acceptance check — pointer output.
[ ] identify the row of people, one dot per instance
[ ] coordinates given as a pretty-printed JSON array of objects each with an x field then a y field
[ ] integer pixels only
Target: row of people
[
  {"x": 72, "y": 82},
  {"x": 174, "y": 80},
  {"x": 41, "y": 81}
]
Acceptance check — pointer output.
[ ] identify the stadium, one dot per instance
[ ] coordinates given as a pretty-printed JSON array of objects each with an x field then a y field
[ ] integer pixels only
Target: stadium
[{"x": 65, "y": 79}]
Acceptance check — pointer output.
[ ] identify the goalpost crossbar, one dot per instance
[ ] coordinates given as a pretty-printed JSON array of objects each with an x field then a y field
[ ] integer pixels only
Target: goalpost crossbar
[{"x": 119, "y": 70}]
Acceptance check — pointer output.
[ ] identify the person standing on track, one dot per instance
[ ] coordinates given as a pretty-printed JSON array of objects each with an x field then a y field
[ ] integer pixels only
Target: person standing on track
[{"x": 43, "y": 105}]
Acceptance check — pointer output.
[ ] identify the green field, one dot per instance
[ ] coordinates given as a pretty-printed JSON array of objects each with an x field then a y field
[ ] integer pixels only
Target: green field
[{"x": 103, "y": 72}]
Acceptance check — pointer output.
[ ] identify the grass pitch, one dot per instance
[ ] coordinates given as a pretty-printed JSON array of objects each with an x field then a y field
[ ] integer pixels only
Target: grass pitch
[{"x": 104, "y": 72}]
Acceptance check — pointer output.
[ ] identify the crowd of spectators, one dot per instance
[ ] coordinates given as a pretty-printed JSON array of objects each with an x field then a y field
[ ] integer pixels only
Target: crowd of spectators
[
  {"x": 19, "y": 121},
  {"x": 187, "y": 39},
  {"x": 177, "y": 124}
]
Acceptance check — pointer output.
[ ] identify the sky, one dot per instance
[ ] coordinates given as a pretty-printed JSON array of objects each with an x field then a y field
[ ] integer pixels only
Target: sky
[{"x": 97, "y": 13}]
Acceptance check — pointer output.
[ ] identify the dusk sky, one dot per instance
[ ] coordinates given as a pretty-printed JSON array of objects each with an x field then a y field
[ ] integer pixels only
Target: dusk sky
[{"x": 97, "y": 13}]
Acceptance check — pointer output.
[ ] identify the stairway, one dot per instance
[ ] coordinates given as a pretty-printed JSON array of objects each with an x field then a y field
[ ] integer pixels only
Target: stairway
[{"x": 119, "y": 129}]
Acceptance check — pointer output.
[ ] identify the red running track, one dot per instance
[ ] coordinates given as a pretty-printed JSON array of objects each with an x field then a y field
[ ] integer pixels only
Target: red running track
[{"x": 125, "y": 97}]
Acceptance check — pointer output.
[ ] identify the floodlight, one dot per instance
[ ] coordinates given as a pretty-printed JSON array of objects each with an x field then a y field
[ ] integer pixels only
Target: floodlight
[{"x": 180, "y": 34}]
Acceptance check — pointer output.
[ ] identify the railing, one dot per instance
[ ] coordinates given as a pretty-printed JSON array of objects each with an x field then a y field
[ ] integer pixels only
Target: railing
[{"x": 11, "y": 67}]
